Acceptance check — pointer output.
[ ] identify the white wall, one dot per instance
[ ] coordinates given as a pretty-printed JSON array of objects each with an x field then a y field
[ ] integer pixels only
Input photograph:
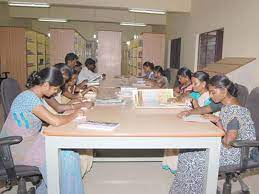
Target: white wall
[{"x": 239, "y": 18}]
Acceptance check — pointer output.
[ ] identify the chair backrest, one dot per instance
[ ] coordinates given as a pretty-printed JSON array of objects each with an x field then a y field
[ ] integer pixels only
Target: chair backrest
[
  {"x": 252, "y": 104},
  {"x": 242, "y": 94},
  {"x": 9, "y": 90},
  {"x": 168, "y": 74}
]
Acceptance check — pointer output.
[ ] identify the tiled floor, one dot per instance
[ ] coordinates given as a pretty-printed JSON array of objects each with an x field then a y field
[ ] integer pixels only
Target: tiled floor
[{"x": 138, "y": 178}]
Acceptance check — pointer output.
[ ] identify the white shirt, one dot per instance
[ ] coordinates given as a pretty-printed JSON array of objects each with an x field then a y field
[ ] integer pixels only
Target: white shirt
[{"x": 86, "y": 74}]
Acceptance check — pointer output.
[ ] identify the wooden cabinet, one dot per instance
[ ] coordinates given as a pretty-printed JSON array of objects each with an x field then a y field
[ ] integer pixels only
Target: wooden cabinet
[
  {"x": 109, "y": 53},
  {"x": 22, "y": 52},
  {"x": 148, "y": 47},
  {"x": 63, "y": 41}
]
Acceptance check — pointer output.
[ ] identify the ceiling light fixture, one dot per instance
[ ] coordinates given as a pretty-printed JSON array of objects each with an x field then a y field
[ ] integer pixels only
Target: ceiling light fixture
[
  {"x": 132, "y": 24},
  {"x": 52, "y": 20},
  {"x": 27, "y": 4},
  {"x": 151, "y": 11}
]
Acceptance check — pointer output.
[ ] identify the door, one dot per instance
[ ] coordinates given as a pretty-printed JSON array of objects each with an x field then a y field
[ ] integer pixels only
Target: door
[{"x": 175, "y": 54}]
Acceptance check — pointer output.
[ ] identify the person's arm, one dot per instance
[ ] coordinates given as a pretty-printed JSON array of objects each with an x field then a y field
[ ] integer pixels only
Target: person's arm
[
  {"x": 160, "y": 84},
  {"x": 71, "y": 96},
  {"x": 52, "y": 119},
  {"x": 195, "y": 103},
  {"x": 230, "y": 136},
  {"x": 60, "y": 108},
  {"x": 197, "y": 111},
  {"x": 82, "y": 84},
  {"x": 231, "y": 132}
]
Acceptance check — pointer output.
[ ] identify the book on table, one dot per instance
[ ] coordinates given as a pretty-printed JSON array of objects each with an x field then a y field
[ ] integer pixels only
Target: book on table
[
  {"x": 83, "y": 123},
  {"x": 155, "y": 98}
]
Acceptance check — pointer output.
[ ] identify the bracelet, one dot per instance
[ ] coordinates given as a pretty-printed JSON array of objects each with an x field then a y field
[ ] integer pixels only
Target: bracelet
[{"x": 72, "y": 106}]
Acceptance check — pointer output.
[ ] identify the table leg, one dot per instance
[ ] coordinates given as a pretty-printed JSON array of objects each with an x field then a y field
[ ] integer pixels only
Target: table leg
[
  {"x": 213, "y": 155},
  {"x": 52, "y": 166}
]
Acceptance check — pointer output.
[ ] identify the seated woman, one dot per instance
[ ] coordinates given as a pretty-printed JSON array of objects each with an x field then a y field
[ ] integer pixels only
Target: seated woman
[
  {"x": 160, "y": 79},
  {"x": 25, "y": 119},
  {"x": 185, "y": 84},
  {"x": 148, "y": 69},
  {"x": 237, "y": 124},
  {"x": 56, "y": 102},
  {"x": 200, "y": 97}
]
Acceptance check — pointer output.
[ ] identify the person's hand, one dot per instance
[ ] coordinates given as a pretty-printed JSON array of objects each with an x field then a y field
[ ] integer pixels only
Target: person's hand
[
  {"x": 83, "y": 83},
  {"x": 183, "y": 114},
  {"x": 91, "y": 89},
  {"x": 75, "y": 101},
  {"x": 211, "y": 118},
  {"x": 171, "y": 100},
  {"x": 79, "y": 112},
  {"x": 87, "y": 105}
]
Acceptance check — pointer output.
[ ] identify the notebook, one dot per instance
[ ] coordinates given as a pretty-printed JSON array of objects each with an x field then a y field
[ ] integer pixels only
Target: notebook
[
  {"x": 96, "y": 125},
  {"x": 110, "y": 101},
  {"x": 195, "y": 118}
]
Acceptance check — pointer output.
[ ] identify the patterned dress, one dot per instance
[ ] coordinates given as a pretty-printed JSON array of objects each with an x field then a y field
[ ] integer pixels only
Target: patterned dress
[
  {"x": 191, "y": 169},
  {"x": 31, "y": 151}
]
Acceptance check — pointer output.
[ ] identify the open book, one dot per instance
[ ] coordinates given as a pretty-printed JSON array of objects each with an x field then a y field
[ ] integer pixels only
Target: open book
[
  {"x": 196, "y": 118},
  {"x": 96, "y": 78},
  {"x": 96, "y": 125},
  {"x": 155, "y": 98}
]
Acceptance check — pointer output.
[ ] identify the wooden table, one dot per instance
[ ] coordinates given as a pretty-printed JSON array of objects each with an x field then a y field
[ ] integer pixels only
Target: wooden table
[{"x": 139, "y": 129}]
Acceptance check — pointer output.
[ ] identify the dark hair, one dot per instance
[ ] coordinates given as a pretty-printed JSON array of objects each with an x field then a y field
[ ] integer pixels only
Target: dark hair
[
  {"x": 202, "y": 76},
  {"x": 222, "y": 81},
  {"x": 159, "y": 69},
  {"x": 89, "y": 61},
  {"x": 71, "y": 57},
  {"x": 64, "y": 68},
  {"x": 149, "y": 64},
  {"x": 185, "y": 72},
  {"x": 78, "y": 64},
  {"x": 50, "y": 74}
]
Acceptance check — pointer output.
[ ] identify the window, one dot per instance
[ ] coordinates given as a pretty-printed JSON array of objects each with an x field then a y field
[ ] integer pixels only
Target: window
[{"x": 210, "y": 47}]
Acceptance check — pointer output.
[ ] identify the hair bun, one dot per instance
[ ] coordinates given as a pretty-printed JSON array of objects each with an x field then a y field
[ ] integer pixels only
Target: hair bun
[{"x": 33, "y": 79}]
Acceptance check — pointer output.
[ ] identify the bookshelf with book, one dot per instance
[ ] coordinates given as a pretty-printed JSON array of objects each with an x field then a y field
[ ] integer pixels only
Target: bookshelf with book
[
  {"x": 24, "y": 50},
  {"x": 148, "y": 47}
]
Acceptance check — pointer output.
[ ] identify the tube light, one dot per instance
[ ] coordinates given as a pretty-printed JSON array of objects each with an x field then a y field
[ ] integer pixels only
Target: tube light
[
  {"x": 132, "y": 24},
  {"x": 27, "y": 4},
  {"x": 52, "y": 20},
  {"x": 138, "y": 10}
]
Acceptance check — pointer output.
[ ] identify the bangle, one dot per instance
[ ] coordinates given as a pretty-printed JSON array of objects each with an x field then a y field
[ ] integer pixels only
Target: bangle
[{"x": 72, "y": 106}]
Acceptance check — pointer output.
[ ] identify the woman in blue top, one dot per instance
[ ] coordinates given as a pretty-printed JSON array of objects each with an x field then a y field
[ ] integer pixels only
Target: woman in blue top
[{"x": 25, "y": 119}]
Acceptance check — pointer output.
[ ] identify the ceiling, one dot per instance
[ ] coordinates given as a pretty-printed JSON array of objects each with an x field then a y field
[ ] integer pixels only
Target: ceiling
[
  {"x": 166, "y": 5},
  {"x": 114, "y": 11}
]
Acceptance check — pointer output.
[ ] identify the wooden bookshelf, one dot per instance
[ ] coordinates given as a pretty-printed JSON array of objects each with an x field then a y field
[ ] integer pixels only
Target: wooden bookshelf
[
  {"x": 148, "y": 47},
  {"x": 24, "y": 52}
]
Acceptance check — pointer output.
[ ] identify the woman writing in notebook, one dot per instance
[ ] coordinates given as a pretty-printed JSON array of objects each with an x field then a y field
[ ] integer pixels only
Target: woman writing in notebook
[
  {"x": 185, "y": 84},
  {"x": 25, "y": 119},
  {"x": 237, "y": 124}
]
